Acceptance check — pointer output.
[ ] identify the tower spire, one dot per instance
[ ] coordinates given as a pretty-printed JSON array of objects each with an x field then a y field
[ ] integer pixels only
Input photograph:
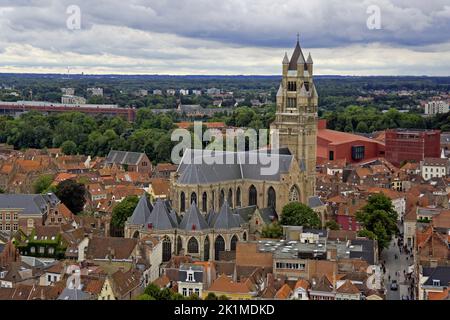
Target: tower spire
[{"x": 298, "y": 37}]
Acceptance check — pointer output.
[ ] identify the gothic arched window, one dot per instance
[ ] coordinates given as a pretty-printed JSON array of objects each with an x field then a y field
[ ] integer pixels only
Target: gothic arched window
[
  {"x": 294, "y": 194},
  {"x": 206, "y": 249},
  {"x": 166, "y": 249},
  {"x": 219, "y": 246},
  {"x": 233, "y": 243},
  {"x": 193, "y": 198},
  {"x": 230, "y": 197},
  {"x": 179, "y": 245},
  {"x": 193, "y": 245},
  {"x": 204, "y": 202},
  {"x": 271, "y": 198},
  {"x": 238, "y": 197},
  {"x": 182, "y": 202},
  {"x": 252, "y": 196},
  {"x": 221, "y": 198}
]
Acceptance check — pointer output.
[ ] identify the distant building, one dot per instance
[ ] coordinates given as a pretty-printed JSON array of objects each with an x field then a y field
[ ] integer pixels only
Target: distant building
[
  {"x": 436, "y": 106},
  {"x": 434, "y": 168},
  {"x": 184, "y": 92},
  {"x": 70, "y": 99},
  {"x": 141, "y": 93},
  {"x": 68, "y": 91},
  {"x": 412, "y": 145},
  {"x": 95, "y": 91},
  {"x": 157, "y": 92},
  {"x": 129, "y": 161},
  {"x": 213, "y": 91},
  {"x": 197, "y": 92},
  {"x": 25, "y": 211},
  {"x": 335, "y": 145},
  {"x": 170, "y": 92}
]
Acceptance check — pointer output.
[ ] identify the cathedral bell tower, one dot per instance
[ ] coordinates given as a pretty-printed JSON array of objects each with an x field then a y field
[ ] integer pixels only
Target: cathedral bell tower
[{"x": 296, "y": 116}]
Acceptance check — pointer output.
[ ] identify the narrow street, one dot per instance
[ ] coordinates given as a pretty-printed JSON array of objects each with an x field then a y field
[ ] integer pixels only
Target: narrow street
[{"x": 395, "y": 269}]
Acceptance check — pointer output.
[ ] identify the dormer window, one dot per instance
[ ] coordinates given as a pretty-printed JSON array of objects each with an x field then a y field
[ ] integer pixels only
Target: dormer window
[
  {"x": 150, "y": 226},
  {"x": 190, "y": 276},
  {"x": 436, "y": 283}
]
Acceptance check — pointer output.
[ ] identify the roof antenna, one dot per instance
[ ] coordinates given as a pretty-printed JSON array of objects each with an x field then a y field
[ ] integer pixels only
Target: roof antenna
[{"x": 298, "y": 37}]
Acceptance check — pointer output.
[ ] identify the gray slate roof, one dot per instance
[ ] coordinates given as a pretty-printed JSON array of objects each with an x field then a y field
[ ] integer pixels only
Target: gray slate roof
[
  {"x": 124, "y": 157},
  {"x": 193, "y": 220},
  {"x": 194, "y": 170},
  {"x": 160, "y": 218},
  {"x": 441, "y": 273},
  {"x": 74, "y": 294},
  {"x": 268, "y": 215},
  {"x": 31, "y": 204},
  {"x": 314, "y": 202},
  {"x": 246, "y": 213},
  {"x": 183, "y": 271},
  {"x": 225, "y": 219},
  {"x": 142, "y": 211},
  {"x": 297, "y": 57}
]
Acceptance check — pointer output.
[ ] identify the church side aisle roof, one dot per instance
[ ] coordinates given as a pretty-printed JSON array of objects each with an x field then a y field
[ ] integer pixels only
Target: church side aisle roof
[
  {"x": 142, "y": 211},
  {"x": 160, "y": 218},
  {"x": 226, "y": 219},
  {"x": 193, "y": 219}
]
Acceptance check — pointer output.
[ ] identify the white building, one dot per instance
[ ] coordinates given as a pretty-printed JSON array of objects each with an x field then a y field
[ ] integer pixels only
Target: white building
[
  {"x": 434, "y": 168},
  {"x": 190, "y": 280},
  {"x": 213, "y": 91},
  {"x": 70, "y": 99},
  {"x": 184, "y": 92},
  {"x": 170, "y": 92},
  {"x": 197, "y": 92},
  {"x": 68, "y": 91},
  {"x": 95, "y": 91},
  {"x": 436, "y": 106},
  {"x": 157, "y": 92}
]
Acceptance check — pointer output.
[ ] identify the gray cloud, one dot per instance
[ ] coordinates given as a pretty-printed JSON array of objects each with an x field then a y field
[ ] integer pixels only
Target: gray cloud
[{"x": 231, "y": 36}]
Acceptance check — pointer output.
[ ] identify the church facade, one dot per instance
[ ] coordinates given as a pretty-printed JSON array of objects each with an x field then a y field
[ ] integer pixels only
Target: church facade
[{"x": 241, "y": 184}]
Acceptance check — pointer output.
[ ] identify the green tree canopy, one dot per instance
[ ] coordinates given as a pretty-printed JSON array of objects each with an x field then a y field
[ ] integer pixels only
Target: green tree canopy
[
  {"x": 42, "y": 183},
  {"x": 379, "y": 219},
  {"x": 272, "y": 231},
  {"x": 332, "y": 225},
  {"x": 123, "y": 211},
  {"x": 298, "y": 214},
  {"x": 72, "y": 194},
  {"x": 69, "y": 147}
]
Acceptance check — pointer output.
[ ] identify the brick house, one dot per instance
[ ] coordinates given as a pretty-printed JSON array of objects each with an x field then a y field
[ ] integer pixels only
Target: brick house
[{"x": 129, "y": 161}]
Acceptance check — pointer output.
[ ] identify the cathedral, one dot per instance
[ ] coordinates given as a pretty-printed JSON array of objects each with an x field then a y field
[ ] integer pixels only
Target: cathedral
[
  {"x": 241, "y": 184},
  {"x": 212, "y": 206}
]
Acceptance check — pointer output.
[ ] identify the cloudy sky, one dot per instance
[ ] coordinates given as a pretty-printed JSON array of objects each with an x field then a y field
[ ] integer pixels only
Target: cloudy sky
[{"x": 224, "y": 36}]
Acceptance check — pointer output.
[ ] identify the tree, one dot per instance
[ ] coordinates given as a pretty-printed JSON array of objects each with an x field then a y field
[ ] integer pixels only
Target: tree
[
  {"x": 298, "y": 214},
  {"x": 42, "y": 183},
  {"x": 72, "y": 194},
  {"x": 379, "y": 219},
  {"x": 272, "y": 231},
  {"x": 123, "y": 211},
  {"x": 152, "y": 290},
  {"x": 332, "y": 225},
  {"x": 69, "y": 147},
  {"x": 211, "y": 296}
]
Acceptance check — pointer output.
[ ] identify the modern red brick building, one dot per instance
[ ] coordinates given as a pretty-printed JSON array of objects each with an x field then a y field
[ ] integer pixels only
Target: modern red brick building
[
  {"x": 336, "y": 145},
  {"x": 412, "y": 145}
]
